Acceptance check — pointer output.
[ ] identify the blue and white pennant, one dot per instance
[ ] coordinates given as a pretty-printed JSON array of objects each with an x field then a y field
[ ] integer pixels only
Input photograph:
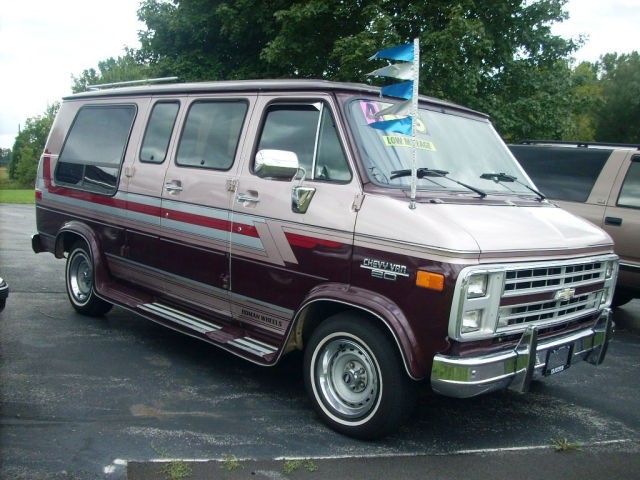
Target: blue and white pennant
[{"x": 408, "y": 70}]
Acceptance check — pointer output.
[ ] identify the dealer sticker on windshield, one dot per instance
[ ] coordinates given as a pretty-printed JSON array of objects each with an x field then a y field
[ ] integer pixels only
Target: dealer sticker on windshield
[{"x": 404, "y": 141}]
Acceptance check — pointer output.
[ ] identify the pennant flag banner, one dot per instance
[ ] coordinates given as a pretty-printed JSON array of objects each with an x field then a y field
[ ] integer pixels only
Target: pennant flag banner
[
  {"x": 399, "y": 90},
  {"x": 409, "y": 54},
  {"x": 402, "y": 108},
  {"x": 402, "y": 52},
  {"x": 402, "y": 71},
  {"x": 400, "y": 125},
  {"x": 405, "y": 70}
]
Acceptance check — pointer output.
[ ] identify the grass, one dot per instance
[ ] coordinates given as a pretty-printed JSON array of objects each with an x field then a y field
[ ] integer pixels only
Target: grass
[
  {"x": 11, "y": 192},
  {"x": 564, "y": 445},
  {"x": 291, "y": 466},
  {"x": 231, "y": 463},
  {"x": 177, "y": 470},
  {"x": 17, "y": 196}
]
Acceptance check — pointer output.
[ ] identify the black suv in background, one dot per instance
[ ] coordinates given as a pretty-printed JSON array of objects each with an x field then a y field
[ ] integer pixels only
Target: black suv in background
[{"x": 600, "y": 182}]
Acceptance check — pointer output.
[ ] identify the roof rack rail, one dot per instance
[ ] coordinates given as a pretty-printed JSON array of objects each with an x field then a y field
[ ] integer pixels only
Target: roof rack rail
[
  {"x": 130, "y": 83},
  {"x": 580, "y": 144}
]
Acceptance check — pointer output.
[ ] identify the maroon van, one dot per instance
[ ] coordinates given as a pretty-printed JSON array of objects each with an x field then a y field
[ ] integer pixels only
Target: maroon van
[{"x": 268, "y": 216}]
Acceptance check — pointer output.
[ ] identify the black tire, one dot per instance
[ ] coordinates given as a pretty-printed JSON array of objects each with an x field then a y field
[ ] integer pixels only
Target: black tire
[
  {"x": 356, "y": 379},
  {"x": 79, "y": 277}
]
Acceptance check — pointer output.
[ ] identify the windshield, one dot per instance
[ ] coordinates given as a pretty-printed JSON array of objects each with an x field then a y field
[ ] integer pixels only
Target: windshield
[{"x": 462, "y": 149}]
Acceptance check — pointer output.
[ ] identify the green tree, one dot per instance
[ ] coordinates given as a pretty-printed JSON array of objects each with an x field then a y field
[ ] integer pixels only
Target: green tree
[
  {"x": 619, "y": 116},
  {"x": 498, "y": 56},
  {"x": 208, "y": 39},
  {"x": 587, "y": 99},
  {"x": 111, "y": 70},
  {"x": 29, "y": 145}
]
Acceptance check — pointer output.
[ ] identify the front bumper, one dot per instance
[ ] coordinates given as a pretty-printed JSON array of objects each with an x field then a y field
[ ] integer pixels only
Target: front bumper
[{"x": 470, "y": 376}]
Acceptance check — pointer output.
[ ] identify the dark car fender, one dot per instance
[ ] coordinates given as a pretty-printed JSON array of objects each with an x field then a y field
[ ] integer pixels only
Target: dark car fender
[
  {"x": 67, "y": 236},
  {"x": 377, "y": 306}
]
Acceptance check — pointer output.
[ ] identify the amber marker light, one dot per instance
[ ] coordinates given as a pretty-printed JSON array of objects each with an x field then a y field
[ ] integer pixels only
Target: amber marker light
[{"x": 430, "y": 280}]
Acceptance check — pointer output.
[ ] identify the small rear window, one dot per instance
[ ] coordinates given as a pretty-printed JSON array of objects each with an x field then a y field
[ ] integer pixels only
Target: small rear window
[
  {"x": 562, "y": 173},
  {"x": 94, "y": 149}
]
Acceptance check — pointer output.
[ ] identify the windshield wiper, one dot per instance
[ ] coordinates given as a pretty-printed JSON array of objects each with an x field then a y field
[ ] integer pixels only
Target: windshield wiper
[
  {"x": 429, "y": 172},
  {"x": 503, "y": 177}
]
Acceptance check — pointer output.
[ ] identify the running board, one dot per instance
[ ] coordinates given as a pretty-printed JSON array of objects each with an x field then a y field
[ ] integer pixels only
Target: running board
[
  {"x": 253, "y": 346},
  {"x": 176, "y": 316},
  {"x": 214, "y": 332}
]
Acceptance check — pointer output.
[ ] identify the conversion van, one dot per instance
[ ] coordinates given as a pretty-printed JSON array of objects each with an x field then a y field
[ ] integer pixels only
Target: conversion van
[
  {"x": 597, "y": 181},
  {"x": 269, "y": 216}
]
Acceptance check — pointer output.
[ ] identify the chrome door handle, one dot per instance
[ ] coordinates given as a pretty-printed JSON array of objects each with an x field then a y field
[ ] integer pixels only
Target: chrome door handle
[
  {"x": 173, "y": 187},
  {"x": 247, "y": 197}
]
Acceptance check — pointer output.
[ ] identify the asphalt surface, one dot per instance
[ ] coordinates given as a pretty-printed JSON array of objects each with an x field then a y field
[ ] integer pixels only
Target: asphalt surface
[{"x": 120, "y": 397}]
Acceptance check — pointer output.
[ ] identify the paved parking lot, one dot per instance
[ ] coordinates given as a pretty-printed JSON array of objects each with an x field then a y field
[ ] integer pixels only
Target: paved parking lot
[{"x": 90, "y": 398}]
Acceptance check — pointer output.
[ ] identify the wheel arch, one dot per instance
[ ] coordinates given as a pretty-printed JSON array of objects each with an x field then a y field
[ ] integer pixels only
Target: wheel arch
[
  {"x": 71, "y": 233},
  {"x": 328, "y": 300}
]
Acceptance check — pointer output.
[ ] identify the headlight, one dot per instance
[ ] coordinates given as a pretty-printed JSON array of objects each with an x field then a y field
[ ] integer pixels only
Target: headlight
[
  {"x": 471, "y": 321},
  {"x": 476, "y": 313},
  {"x": 477, "y": 286}
]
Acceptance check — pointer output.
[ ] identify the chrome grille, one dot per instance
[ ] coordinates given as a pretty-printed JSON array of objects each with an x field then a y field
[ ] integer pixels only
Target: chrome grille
[
  {"x": 541, "y": 279},
  {"x": 551, "y": 280}
]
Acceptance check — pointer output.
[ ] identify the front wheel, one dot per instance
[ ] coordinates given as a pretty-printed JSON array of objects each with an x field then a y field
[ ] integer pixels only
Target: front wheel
[
  {"x": 356, "y": 379},
  {"x": 79, "y": 278}
]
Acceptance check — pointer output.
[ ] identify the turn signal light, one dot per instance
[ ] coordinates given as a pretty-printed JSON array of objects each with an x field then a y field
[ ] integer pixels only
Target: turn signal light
[{"x": 432, "y": 281}]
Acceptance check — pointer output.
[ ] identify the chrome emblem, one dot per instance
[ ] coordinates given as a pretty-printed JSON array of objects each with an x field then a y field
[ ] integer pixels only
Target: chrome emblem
[{"x": 565, "y": 294}]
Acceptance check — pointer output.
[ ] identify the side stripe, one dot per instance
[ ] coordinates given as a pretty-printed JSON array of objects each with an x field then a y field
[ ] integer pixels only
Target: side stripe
[{"x": 140, "y": 210}]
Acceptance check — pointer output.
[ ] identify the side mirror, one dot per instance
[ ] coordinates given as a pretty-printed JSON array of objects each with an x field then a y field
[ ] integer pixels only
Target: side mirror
[{"x": 278, "y": 164}]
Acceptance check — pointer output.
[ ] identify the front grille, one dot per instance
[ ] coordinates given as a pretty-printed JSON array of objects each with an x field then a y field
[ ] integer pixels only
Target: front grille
[
  {"x": 549, "y": 294},
  {"x": 540, "y": 279}
]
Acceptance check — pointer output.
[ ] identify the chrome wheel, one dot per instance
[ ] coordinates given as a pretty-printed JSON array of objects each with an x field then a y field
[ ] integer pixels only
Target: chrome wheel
[
  {"x": 355, "y": 377},
  {"x": 347, "y": 377},
  {"x": 80, "y": 277}
]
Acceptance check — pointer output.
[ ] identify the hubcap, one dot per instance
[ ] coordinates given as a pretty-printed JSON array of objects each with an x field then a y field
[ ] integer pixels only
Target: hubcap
[
  {"x": 80, "y": 278},
  {"x": 347, "y": 377}
]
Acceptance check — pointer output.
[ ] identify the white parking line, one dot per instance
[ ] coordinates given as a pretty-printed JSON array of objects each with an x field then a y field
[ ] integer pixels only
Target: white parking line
[{"x": 117, "y": 463}]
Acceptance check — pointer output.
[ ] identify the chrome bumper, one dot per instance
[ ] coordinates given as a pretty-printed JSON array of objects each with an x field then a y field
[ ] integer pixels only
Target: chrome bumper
[{"x": 470, "y": 376}]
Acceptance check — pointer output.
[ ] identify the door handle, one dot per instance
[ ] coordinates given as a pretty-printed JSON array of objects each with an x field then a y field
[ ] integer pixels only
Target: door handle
[
  {"x": 616, "y": 221},
  {"x": 251, "y": 196},
  {"x": 174, "y": 186}
]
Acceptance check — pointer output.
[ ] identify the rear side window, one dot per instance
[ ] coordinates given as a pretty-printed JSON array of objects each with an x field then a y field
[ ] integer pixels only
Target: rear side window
[
  {"x": 562, "y": 173},
  {"x": 158, "y": 134},
  {"x": 94, "y": 149},
  {"x": 211, "y": 134},
  {"x": 630, "y": 192}
]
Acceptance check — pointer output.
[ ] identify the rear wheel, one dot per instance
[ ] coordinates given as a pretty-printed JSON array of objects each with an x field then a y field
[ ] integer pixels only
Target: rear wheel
[
  {"x": 79, "y": 278},
  {"x": 356, "y": 379}
]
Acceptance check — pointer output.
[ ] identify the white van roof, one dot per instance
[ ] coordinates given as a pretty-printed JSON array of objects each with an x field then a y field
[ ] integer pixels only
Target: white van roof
[{"x": 271, "y": 85}]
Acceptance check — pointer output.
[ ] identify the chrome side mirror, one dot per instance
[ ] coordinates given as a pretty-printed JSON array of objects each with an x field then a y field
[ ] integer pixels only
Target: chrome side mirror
[{"x": 276, "y": 164}]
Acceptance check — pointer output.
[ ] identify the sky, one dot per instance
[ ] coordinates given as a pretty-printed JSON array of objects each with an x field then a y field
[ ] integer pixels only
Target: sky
[{"x": 44, "y": 42}]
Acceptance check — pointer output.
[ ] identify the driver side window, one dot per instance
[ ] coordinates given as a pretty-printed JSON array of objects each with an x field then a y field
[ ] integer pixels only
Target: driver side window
[{"x": 309, "y": 131}]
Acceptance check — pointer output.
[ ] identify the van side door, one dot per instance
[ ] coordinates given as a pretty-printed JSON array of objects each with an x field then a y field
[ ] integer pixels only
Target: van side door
[
  {"x": 144, "y": 180},
  {"x": 196, "y": 198},
  {"x": 290, "y": 235}
]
